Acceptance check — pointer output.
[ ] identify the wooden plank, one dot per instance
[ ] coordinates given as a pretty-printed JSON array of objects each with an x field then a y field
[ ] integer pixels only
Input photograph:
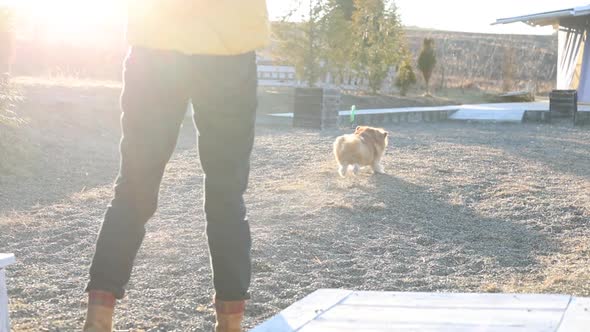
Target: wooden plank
[
  {"x": 408, "y": 327},
  {"x": 341, "y": 310},
  {"x": 401, "y": 110},
  {"x": 4, "y": 321},
  {"x": 531, "y": 106},
  {"x": 344, "y": 327},
  {"x": 577, "y": 316},
  {"x": 303, "y": 311},
  {"x": 384, "y": 318},
  {"x": 477, "y": 113},
  {"x": 6, "y": 259},
  {"x": 460, "y": 300}
]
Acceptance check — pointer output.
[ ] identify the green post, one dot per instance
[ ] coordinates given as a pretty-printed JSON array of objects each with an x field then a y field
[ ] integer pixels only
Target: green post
[{"x": 352, "y": 115}]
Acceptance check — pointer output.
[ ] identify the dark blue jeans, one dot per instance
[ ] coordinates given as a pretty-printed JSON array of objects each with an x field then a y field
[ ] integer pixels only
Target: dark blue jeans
[{"x": 158, "y": 86}]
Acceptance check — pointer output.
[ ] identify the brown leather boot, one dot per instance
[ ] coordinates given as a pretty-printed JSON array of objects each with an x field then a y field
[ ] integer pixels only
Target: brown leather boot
[
  {"x": 229, "y": 315},
  {"x": 99, "y": 317}
]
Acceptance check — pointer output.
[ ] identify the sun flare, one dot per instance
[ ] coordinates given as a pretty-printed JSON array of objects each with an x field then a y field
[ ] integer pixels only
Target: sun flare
[{"x": 79, "y": 21}]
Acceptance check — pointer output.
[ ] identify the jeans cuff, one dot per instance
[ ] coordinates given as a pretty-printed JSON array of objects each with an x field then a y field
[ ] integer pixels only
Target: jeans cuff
[
  {"x": 119, "y": 293},
  {"x": 231, "y": 297}
]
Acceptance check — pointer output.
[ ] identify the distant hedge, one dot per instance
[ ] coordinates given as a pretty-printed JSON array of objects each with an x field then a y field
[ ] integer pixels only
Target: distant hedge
[
  {"x": 8, "y": 94},
  {"x": 6, "y": 38},
  {"x": 13, "y": 146}
]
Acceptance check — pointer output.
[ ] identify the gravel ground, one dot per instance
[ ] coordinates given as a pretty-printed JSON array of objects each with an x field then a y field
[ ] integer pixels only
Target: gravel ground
[{"x": 464, "y": 207}]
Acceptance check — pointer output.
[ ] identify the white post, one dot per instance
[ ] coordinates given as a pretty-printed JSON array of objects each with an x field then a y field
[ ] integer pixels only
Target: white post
[{"x": 5, "y": 260}]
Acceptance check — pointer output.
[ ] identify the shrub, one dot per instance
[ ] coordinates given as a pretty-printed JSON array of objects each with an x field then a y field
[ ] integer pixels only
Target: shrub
[
  {"x": 6, "y": 38},
  {"x": 405, "y": 77},
  {"x": 12, "y": 144}
]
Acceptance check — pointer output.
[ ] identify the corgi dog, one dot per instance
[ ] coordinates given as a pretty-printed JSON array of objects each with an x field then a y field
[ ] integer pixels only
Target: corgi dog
[{"x": 365, "y": 147}]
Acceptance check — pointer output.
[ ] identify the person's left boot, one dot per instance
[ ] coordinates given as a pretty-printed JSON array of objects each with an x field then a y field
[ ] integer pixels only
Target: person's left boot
[
  {"x": 99, "y": 317},
  {"x": 229, "y": 315}
]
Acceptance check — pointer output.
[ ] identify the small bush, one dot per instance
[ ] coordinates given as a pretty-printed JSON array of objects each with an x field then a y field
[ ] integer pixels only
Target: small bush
[
  {"x": 14, "y": 147},
  {"x": 6, "y": 38},
  {"x": 12, "y": 143},
  {"x": 8, "y": 98},
  {"x": 405, "y": 77},
  {"x": 7, "y": 92}
]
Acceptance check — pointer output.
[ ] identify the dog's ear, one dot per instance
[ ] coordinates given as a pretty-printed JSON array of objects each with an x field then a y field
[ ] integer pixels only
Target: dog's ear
[
  {"x": 385, "y": 133},
  {"x": 358, "y": 128}
]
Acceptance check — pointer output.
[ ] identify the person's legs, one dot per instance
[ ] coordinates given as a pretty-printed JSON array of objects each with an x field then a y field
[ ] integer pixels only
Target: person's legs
[
  {"x": 225, "y": 103},
  {"x": 154, "y": 102}
]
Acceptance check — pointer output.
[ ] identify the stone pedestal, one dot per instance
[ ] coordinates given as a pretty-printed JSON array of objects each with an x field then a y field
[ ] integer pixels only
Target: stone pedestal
[
  {"x": 316, "y": 108},
  {"x": 330, "y": 108}
]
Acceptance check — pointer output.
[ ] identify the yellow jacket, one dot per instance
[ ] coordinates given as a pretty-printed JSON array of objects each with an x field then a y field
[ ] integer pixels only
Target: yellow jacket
[{"x": 215, "y": 27}]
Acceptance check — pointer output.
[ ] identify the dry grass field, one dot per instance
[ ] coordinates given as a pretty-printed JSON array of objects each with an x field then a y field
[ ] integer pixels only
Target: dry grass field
[{"x": 463, "y": 208}]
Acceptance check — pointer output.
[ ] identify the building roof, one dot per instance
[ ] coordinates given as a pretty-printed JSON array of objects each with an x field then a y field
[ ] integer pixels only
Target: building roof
[{"x": 570, "y": 17}]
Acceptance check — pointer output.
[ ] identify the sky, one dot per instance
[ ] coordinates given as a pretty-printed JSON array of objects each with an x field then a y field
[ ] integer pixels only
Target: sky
[{"x": 461, "y": 15}]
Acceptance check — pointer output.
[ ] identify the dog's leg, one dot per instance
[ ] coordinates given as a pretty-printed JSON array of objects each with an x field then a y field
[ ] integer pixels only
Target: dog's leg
[
  {"x": 355, "y": 169},
  {"x": 342, "y": 169},
  {"x": 377, "y": 168}
]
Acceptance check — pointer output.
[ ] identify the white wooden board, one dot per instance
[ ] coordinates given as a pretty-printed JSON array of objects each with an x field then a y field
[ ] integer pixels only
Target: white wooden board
[
  {"x": 577, "y": 316},
  {"x": 6, "y": 259},
  {"x": 304, "y": 311},
  {"x": 347, "y": 311},
  {"x": 501, "y": 112},
  {"x": 460, "y": 300},
  {"x": 486, "y": 113},
  {"x": 384, "y": 111},
  {"x": 390, "y": 318},
  {"x": 401, "y": 110},
  {"x": 4, "y": 322}
]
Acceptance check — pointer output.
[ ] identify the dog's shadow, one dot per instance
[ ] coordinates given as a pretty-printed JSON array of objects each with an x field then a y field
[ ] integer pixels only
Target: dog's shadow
[{"x": 382, "y": 203}]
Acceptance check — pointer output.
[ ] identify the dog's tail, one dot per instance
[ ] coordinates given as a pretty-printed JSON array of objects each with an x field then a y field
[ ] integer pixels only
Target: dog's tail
[{"x": 338, "y": 145}]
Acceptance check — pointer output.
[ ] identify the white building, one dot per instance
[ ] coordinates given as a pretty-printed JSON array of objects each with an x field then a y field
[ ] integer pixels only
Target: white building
[{"x": 573, "y": 25}]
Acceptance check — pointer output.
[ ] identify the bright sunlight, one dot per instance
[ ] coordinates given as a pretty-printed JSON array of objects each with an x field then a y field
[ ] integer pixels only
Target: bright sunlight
[{"x": 72, "y": 21}]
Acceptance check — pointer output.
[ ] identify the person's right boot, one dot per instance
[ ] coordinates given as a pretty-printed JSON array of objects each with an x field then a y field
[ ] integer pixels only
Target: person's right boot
[
  {"x": 229, "y": 315},
  {"x": 99, "y": 317}
]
